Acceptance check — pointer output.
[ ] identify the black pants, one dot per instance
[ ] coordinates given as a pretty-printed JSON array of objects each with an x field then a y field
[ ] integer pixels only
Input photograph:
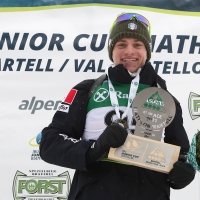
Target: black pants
[{"x": 112, "y": 181}]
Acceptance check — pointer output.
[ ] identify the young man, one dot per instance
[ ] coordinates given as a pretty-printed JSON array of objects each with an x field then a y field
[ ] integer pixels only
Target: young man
[{"x": 80, "y": 136}]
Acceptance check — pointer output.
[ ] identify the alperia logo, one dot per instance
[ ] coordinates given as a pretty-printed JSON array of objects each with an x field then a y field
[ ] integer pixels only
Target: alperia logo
[{"x": 55, "y": 187}]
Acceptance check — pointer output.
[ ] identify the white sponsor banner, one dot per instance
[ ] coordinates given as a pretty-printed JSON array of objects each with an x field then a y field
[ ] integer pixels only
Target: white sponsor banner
[{"x": 44, "y": 53}]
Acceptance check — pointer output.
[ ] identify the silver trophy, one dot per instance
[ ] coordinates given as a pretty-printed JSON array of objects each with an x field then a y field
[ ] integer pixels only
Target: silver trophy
[{"x": 153, "y": 109}]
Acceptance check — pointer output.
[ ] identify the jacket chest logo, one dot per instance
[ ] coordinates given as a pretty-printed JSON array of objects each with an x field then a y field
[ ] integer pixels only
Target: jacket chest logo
[{"x": 101, "y": 95}]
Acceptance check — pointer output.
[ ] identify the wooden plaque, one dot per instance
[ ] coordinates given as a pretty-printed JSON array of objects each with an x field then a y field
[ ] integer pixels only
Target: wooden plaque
[{"x": 146, "y": 153}]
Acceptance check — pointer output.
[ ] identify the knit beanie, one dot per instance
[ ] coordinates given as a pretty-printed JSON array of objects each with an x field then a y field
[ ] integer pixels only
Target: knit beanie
[{"x": 130, "y": 29}]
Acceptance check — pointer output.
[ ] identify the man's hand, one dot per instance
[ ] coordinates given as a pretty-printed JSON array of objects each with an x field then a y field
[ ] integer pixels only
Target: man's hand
[
  {"x": 113, "y": 136},
  {"x": 181, "y": 175}
]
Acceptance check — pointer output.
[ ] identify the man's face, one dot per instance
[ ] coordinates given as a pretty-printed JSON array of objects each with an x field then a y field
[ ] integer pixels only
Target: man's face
[{"x": 131, "y": 53}]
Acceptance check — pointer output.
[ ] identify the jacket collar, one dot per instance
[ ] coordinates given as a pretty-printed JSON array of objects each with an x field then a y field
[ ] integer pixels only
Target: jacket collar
[{"x": 120, "y": 74}]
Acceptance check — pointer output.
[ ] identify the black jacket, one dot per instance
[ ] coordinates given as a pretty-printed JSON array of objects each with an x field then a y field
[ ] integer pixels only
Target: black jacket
[{"x": 106, "y": 180}]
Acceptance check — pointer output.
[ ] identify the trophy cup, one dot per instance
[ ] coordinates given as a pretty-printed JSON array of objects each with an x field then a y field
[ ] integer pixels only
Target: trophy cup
[{"x": 153, "y": 109}]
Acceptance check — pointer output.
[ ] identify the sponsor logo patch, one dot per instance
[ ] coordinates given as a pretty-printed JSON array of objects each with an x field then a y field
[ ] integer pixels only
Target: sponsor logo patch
[
  {"x": 101, "y": 95},
  {"x": 63, "y": 108},
  {"x": 70, "y": 97},
  {"x": 132, "y": 26},
  {"x": 68, "y": 138}
]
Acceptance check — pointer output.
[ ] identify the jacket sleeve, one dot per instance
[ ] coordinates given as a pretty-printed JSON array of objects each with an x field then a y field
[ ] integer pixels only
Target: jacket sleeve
[
  {"x": 175, "y": 133},
  {"x": 61, "y": 142}
]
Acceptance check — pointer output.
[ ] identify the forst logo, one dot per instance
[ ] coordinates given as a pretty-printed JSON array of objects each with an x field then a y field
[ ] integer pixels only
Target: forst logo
[
  {"x": 194, "y": 105},
  {"x": 35, "y": 105},
  {"x": 48, "y": 186},
  {"x": 25, "y": 187}
]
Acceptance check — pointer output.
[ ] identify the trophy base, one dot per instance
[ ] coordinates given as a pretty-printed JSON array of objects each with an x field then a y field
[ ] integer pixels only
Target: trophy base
[{"x": 146, "y": 153}]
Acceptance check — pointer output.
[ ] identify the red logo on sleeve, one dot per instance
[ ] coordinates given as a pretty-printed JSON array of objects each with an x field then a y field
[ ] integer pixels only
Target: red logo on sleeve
[{"x": 70, "y": 97}]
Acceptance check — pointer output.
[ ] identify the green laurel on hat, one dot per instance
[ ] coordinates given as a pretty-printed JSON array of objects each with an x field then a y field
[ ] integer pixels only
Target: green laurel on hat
[
  {"x": 194, "y": 152},
  {"x": 122, "y": 30}
]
